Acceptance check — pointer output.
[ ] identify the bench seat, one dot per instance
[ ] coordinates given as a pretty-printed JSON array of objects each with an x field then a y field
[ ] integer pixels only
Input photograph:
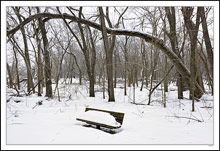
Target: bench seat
[
  {"x": 102, "y": 119},
  {"x": 98, "y": 124}
]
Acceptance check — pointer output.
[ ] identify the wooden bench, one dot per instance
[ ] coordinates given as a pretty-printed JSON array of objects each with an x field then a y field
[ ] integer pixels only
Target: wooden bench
[{"x": 117, "y": 115}]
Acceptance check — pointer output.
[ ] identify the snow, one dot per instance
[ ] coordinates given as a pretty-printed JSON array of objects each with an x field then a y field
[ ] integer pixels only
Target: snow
[
  {"x": 99, "y": 117},
  {"x": 55, "y": 122}
]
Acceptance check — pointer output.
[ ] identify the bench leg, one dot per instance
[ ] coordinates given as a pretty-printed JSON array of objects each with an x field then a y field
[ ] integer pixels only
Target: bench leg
[{"x": 98, "y": 127}]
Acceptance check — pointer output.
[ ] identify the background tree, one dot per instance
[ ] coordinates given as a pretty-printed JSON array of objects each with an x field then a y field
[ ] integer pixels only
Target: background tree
[{"x": 47, "y": 67}]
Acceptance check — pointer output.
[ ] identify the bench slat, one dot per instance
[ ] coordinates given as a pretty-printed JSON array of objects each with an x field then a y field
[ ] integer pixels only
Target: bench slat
[{"x": 99, "y": 124}]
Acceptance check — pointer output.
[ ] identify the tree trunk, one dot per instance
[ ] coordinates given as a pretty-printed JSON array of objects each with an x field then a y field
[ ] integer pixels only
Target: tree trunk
[
  {"x": 133, "y": 88},
  {"x": 171, "y": 15},
  {"x": 115, "y": 69},
  {"x": 91, "y": 86},
  {"x": 126, "y": 62},
  {"x": 103, "y": 84},
  {"x": 193, "y": 32},
  {"x": 109, "y": 65},
  {"x": 146, "y": 71},
  {"x": 165, "y": 79},
  {"x": 47, "y": 67},
  {"x": 152, "y": 75},
  {"x": 143, "y": 62},
  {"x": 198, "y": 70},
  {"x": 39, "y": 64},
  {"x": 10, "y": 77},
  {"x": 204, "y": 60},
  {"x": 136, "y": 75},
  {"x": 101, "y": 74},
  {"x": 16, "y": 68},
  {"x": 93, "y": 63},
  {"x": 207, "y": 39},
  {"x": 165, "y": 66},
  {"x": 125, "y": 78}
]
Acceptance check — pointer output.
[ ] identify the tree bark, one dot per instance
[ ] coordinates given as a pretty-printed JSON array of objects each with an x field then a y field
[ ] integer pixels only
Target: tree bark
[
  {"x": 207, "y": 39},
  {"x": 109, "y": 53},
  {"x": 39, "y": 62},
  {"x": 115, "y": 69},
  {"x": 198, "y": 69},
  {"x": 126, "y": 61},
  {"x": 193, "y": 32},
  {"x": 47, "y": 67},
  {"x": 143, "y": 62},
  {"x": 10, "y": 77},
  {"x": 16, "y": 68},
  {"x": 171, "y": 15},
  {"x": 93, "y": 63},
  {"x": 39, "y": 70},
  {"x": 204, "y": 60}
]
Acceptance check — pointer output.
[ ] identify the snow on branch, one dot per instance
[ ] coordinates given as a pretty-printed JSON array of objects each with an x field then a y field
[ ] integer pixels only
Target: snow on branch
[{"x": 148, "y": 38}]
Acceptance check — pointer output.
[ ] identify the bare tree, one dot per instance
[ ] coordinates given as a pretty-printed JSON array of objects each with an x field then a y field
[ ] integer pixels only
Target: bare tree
[
  {"x": 148, "y": 38},
  {"x": 58, "y": 62},
  {"x": 77, "y": 64},
  {"x": 90, "y": 63},
  {"x": 26, "y": 51}
]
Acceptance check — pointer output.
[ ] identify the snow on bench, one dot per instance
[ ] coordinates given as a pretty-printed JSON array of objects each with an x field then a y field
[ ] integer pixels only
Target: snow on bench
[{"x": 102, "y": 118}]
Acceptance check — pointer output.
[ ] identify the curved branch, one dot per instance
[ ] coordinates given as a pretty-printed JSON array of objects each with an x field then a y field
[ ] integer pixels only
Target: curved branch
[{"x": 148, "y": 38}]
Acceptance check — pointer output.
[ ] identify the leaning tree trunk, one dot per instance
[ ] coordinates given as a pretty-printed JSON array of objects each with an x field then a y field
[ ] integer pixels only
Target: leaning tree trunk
[{"x": 148, "y": 38}]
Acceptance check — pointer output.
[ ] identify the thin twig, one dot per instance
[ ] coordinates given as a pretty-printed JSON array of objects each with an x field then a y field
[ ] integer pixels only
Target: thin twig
[{"x": 195, "y": 119}]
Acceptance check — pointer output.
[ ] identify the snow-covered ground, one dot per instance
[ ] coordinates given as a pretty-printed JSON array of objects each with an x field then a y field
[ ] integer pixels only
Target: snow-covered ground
[{"x": 55, "y": 122}]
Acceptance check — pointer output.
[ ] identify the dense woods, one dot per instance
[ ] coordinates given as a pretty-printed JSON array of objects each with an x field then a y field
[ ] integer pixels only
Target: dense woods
[{"x": 108, "y": 47}]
